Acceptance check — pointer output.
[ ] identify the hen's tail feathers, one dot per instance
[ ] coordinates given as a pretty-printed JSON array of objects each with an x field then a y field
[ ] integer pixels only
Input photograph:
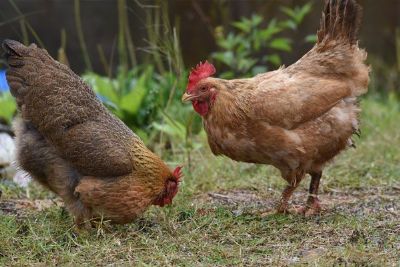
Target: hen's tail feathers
[{"x": 340, "y": 21}]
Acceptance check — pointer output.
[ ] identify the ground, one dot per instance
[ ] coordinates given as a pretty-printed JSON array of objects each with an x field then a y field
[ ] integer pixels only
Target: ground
[{"x": 222, "y": 216}]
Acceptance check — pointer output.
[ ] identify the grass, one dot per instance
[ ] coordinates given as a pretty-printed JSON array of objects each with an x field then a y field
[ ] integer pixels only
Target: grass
[{"x": 219, "y": 216}]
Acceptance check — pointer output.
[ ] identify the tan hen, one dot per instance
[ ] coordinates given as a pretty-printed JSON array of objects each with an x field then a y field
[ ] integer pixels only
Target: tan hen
[{"x": 296, "y": 118}]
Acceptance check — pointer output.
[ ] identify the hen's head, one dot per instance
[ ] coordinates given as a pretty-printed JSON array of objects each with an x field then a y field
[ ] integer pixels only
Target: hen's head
[
  {"x": 170, "y": 188},
  {"x": 15, "y": 52},
  {"x": 200, "y": 90}
]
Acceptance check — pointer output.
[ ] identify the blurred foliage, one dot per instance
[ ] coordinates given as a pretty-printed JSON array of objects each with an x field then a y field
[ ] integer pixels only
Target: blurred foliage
[
  {"x": 243, "y": 50},
  {"x": 8, "y": 107}
]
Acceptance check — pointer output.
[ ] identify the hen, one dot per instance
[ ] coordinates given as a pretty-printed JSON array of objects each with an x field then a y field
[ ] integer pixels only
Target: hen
[
  {"x": 296, "y": 118},
  {"x": 70, "y": 143}
]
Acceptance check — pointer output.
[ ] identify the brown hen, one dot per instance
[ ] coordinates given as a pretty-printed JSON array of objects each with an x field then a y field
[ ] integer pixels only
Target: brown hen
[
  {"x": 296, "y": 118},
  {"x": 69, "y": 142}
]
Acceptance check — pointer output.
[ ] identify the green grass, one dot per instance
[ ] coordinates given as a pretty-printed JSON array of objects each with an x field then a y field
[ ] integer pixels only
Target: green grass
[{"x": 361, "y": 226}]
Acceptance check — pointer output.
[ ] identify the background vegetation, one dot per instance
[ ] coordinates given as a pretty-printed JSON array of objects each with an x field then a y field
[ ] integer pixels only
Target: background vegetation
[{"x": 221, "y": 216}]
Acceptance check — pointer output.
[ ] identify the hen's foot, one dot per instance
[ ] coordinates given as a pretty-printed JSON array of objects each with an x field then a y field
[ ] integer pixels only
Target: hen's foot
[
  {"x": 313, "y": 206},
  {"x": 282, "y": 208},
  {"x": 283, "y": 205}
]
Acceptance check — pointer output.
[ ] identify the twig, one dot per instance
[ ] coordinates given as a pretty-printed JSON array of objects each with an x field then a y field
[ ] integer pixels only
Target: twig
[{"x": 81, "y": 38}]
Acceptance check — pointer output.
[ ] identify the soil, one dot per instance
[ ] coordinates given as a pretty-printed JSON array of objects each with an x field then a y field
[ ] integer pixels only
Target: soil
[{"x": 385, "y": 201}]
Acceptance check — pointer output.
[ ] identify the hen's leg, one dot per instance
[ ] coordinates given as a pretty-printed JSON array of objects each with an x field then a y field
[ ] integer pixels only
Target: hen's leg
[
  {"x": 36, "y": 156},
  {"x": 294, "y": 180},
  {"x": 283, "y": 205},
  {"x": 313, "y": 205}
]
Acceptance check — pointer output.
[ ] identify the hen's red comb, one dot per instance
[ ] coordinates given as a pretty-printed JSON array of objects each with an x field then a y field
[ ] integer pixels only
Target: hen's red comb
[
  {"x": 178, "y": 173},
  {"x": 202, "y": 70}
]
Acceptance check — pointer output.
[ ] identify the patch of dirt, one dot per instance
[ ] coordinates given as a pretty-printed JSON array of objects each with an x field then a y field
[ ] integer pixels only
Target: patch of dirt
[
  {"x": 382, "y": 201},
  {"x": 20, "y": 207}
]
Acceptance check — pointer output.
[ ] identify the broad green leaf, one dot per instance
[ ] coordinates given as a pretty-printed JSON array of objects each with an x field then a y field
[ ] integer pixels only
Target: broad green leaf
[
  {"x": 281, "y": 44},
  {"x": 103, "y": 86},
  {"x": 132, "y": 101},
  {"x": 246, "y": 27},
  {"x": 271, "y": 30}
]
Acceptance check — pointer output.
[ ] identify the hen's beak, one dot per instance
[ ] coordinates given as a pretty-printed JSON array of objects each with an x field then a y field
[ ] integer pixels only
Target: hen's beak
[{"x": 188, "y": 97}]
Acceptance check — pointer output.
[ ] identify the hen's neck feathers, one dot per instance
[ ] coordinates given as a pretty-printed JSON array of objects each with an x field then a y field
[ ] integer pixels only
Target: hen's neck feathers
[
  {"x": 148, "y": 165},
  {"x": 232, "y": 100}
]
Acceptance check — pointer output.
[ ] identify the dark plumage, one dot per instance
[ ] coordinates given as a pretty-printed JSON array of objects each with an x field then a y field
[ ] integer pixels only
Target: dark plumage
[{"x": 73, "y": 145}]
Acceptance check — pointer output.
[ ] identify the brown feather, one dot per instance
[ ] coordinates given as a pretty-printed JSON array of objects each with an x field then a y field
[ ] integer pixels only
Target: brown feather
[
  {"x": 296, "y": 118},
  {"x": 74, "y": 146}
]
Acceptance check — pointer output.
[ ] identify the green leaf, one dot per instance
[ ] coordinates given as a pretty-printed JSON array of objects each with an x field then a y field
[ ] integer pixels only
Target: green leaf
[
  {"x": 275, "y": 59},
  {"x": 227, "y": 75},
  {"x": 271, "y": 30},
  {"x": 142, "y": 134},
  {"x": 298, "y": 13},
  {"x": 131, "y": 102},
  {"x": 312, "y": 38},
  {"x": 303, "y": 11},
  {"x": 256, "y": 20},
  {"x": 288, "y": 11},
  {"x": 243, "y": 26},
  {"x": 281, "y": 44},
  {"x": 245, "y": 64},
  {"x": 103, "y": 86},
  {"x": 225, "y": 57},
  {"x": 256, "y": 41},
  {"x": 8, "y": 106},
  {"x": 289, "y": 24},
  {"x": 229, "y": 42},
  {"x": 171, "y": 127}
]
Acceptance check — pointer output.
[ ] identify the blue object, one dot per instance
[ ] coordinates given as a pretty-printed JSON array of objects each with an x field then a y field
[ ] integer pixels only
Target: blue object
[{"x": 3, "y": 81}]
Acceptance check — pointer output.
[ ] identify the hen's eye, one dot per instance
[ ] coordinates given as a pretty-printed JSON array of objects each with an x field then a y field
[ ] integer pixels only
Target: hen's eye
[{"x": 203, "y": 88}]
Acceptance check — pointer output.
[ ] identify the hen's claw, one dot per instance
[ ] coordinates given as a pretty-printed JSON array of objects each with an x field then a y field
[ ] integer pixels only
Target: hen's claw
[{"x": 313, "y": 207}]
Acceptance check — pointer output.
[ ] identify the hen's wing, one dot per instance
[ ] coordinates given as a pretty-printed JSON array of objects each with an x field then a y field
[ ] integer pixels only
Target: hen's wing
[
  {"x": 287, "y": 101},
  {"x": 332, "y": 70},
  {"x": 67, "y": 112}
]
